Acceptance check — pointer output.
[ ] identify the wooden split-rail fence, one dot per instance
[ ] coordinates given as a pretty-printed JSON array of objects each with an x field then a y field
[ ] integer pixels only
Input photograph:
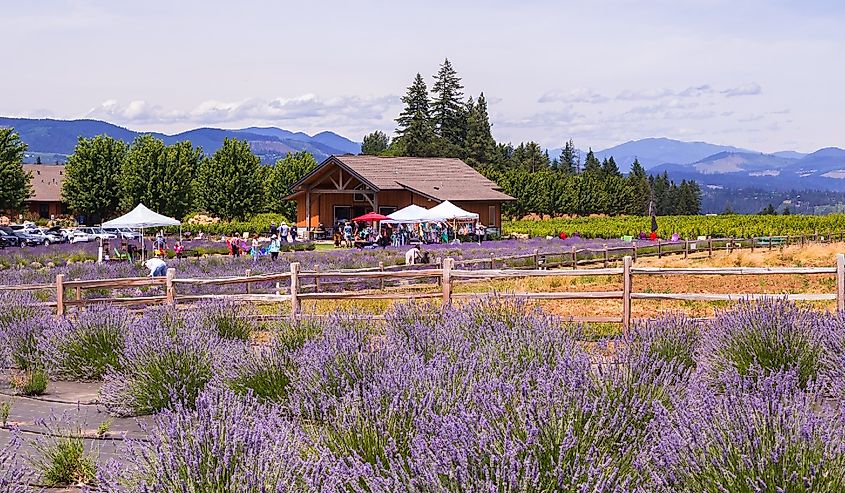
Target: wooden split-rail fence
[{"x": 447, "y": 276}]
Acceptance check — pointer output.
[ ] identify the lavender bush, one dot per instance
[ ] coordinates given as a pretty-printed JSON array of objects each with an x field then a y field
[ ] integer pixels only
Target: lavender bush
[
  {"x": 14, "y": 476},
  {"x": 22, "y": 321},
  {"x": 227, "y": 443},
  {"x": 86, "y": 347},
  {"x": 671, "y": 338},
  {"x": 771, "y": 335},
  {"x": 766, "y": 434},
  {"x": 167, "y": 359},
  {"x": 227, "y": 318},
  {"x": 60, "y": 457}
]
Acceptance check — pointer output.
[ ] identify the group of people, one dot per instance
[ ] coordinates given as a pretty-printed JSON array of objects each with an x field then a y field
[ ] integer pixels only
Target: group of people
[{"x": 348, "y": 234}]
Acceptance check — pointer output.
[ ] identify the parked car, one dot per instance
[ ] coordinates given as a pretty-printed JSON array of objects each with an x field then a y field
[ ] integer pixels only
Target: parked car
[
  {"x": 8, "y": 238},
  {"x": 27, "y": 227},
  {"x": 97, "y": 233},
  {"x": 124, "y": 233},
  {"x": 49, "y": 237},
  {"x": 29, "y": 239},
  {"x": 62, "y": 234},
  {"x": 80, "y": 236}
]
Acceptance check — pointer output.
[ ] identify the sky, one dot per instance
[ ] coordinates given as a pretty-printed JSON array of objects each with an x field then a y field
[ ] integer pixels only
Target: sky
[{"x": 766, "y": 75}]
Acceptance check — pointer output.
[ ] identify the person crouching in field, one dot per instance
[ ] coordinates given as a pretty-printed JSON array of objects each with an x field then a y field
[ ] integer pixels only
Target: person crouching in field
[
  {"x": 157, "y": 266},
  {"x": 413, "y": 255}
]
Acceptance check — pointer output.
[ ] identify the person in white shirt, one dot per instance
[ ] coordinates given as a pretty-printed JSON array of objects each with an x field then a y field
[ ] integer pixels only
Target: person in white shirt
[
  {"x": 157, "y": 267},
  {"x": 412, "y": 255}
]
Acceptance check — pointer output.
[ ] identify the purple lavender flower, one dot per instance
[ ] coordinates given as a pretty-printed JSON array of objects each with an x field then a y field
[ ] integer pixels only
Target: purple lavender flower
[
  {"x": 771, "y": 335},
  {"x": 85, "y": 347},
  {"x": 760, "y": 434},
  {"x": 168, "y": 358},
  {"x": 14, "y": 474},
  {"x": 224, "y": 443}
]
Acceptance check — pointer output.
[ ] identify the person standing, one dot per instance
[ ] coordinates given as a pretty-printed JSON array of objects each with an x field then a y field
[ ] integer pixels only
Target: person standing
[
  {"x": 347, "y": 234},
  {"x": 274, "y": 247},
  {"x": 256, "y": 249},
  {"x": 273, "y": 229},
  {"x": 293, "y": 232},
  {"x": 412, "y": 255},
  {"x": 283, "y": 232}
]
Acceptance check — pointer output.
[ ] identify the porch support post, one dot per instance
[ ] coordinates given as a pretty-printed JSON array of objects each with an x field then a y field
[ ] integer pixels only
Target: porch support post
[{"x": 308, "y": 212}]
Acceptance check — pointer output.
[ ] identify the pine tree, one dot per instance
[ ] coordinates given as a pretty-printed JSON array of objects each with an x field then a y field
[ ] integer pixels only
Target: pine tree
[
  {"x": 447, "y": 108},
  {"x": 480, "y": 145},
  {"x": 569, "y": 160},
  {"x": 375, "y": 143},
  {"x": 592, "y": 166},
  {"x": 638, "y": 181},
  {"x": 416, "y": 134},
  {"x": 610, "y": 169},
  {"x": 531, "y": 157}
]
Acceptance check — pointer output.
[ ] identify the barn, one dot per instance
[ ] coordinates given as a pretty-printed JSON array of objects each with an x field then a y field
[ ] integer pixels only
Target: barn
[{"x": 343, "y": 187}]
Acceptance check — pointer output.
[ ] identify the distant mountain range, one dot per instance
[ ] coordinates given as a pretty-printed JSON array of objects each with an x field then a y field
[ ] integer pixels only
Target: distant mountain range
[
  {"x": 714, "y": 166},
  {"x": 54, "y": 140}
]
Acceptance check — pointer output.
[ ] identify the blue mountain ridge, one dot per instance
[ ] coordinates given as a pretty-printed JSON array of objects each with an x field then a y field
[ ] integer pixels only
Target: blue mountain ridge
[{"x": 58, "y": 138}]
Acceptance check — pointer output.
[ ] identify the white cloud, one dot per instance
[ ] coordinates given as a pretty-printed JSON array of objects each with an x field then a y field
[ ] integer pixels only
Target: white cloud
[
  {"x": 301, "y": 108},
  {"x": 749, "y": 89},
  {"x": 580, "y": 95},
  {"x": 648, "y": 94}
]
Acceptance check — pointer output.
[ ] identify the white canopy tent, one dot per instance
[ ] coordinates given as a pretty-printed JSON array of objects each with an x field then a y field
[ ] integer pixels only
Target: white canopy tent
[
  {"x": 141, "y": 217},
  {"x": 450, "y": 212},
  {"x": 413, "y": 214}
]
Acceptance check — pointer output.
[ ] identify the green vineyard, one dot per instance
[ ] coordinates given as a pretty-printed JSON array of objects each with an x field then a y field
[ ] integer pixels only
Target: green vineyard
[{"x": 727, "y": 226}]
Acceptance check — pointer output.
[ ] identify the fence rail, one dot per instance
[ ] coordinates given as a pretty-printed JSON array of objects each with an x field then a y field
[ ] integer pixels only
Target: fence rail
[{"x": 447, "y": 276}]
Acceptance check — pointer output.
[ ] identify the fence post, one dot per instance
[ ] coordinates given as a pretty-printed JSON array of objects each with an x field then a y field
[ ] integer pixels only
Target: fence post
[
  {"x": 248, "y": 288},
  {"x": 294, "y": 290},
  {"x": 574, "y": 258},
  {"x": 730, "y": 245},
  {"x": 635, "y": 249},
  {"x": 492, "y": 260},
  {"x": 709, "y": 246},
  {"x": 686, "y": 247},
  {"x": 752, "y": 244},
  {"x": 169, "y": 291},
  {"x": 60, "y": 295},
  {"x": 447, "y": 280},
  {"x": 626, "y": 293},
  {"x": 802, "y": 241},
  {"x": 536, "y": 258},
  {"x": 381, "y": 269},
  {"x": 317, "y": 278},
  {"x": 840, "y": 282},
  {"x": 658, "y": 248},
  {"x": 605, "y": 255}
]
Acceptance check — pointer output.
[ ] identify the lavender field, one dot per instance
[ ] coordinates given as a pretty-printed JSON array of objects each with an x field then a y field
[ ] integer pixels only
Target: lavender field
[
  {"x": 489, "y": 396},
  {"x": 40, "y": 265}
]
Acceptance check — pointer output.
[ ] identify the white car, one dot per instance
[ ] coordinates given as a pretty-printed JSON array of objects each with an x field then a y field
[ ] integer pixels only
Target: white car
[
  {"x": 98, "y": 233},
  {"x": 124, "y": 233},
  {"x": 80, "y": 236},
  {"x": 49, "y": 237}
]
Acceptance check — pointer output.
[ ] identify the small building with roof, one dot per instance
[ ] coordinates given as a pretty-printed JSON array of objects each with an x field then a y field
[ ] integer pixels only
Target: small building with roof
[
  {"x": 343, "y": 187},
  {"x": 46, "y": 199}
]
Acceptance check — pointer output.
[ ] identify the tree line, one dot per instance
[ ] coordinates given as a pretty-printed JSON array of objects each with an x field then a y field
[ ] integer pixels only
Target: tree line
[
  {"x": 441, "y": 123},
  {"x": 105, "y": 176}
]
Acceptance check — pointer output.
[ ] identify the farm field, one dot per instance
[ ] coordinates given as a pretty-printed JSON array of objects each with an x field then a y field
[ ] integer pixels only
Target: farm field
[
  {"x": 721, "y": 226},
  {"x": 487, "y": 395}
]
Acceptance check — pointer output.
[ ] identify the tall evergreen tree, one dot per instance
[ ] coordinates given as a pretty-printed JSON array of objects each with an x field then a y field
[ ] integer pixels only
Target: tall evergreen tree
[
  {"x": 375, "y": 143},
  {"x": 609, "y": 168},
  {"x": 92, "y": 176},
  {"x": 15, "y": 183},
  {"x": 447, "y": 108},
  {"x": 415, "y": 131},
  {"x": 638, "y": 181},
  {"x": 569, "y": 160},
  {"x": 480, "y": 145},
  {"x": 159, "y": 176},
  {"x": 531, "y": 157},
  {"x": 592, "y": 166},
  {"x": 229, "y": 183}
]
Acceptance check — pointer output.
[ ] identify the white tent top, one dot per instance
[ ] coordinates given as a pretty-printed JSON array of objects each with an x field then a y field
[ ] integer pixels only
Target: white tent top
[
  {"x": 141, "y": 217},
  {"x": 412, "y": 214},
  {"x": 451, "y": 212}
]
